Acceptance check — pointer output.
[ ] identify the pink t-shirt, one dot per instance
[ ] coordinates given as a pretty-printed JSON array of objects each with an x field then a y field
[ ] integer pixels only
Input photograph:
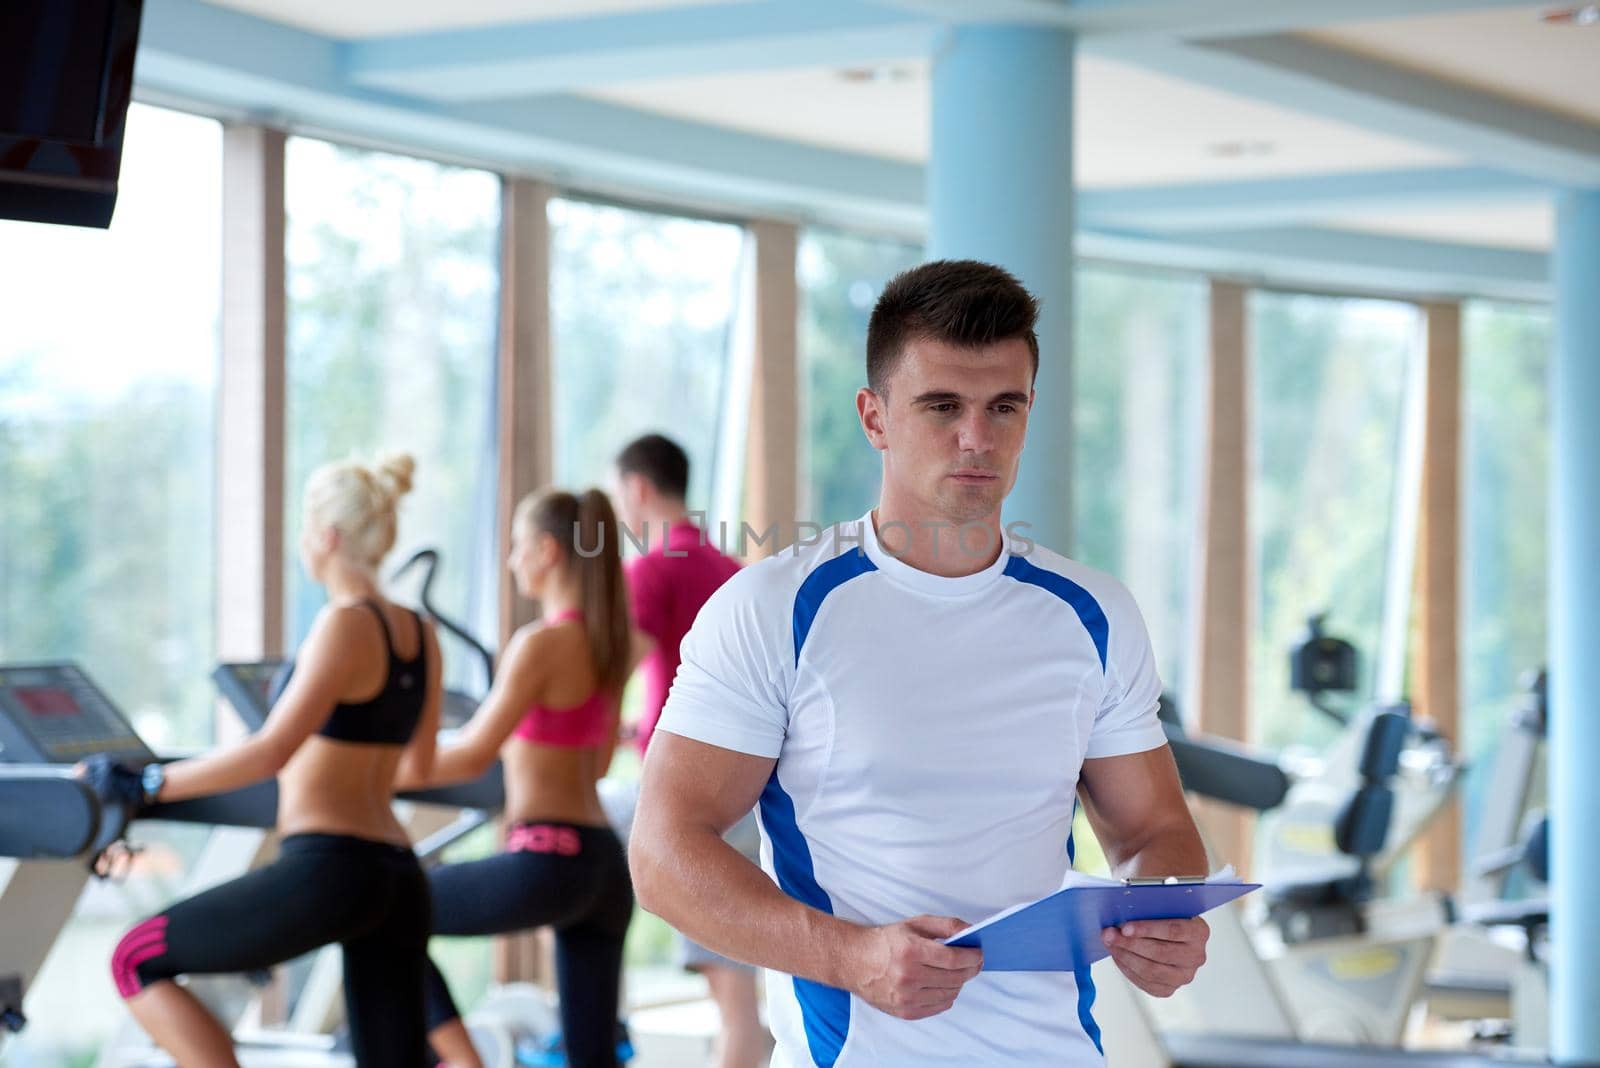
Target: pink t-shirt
[{"x": 666, "y": 587}]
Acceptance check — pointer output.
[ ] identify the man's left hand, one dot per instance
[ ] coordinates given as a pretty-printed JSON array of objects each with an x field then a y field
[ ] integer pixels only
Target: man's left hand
[{"x": 1158, "y": 956}]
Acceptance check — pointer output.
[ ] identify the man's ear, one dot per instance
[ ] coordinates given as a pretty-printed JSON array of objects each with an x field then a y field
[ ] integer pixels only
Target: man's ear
[
  {"x": 874, "y": 413},
  {"x": 632, "y": 486}
]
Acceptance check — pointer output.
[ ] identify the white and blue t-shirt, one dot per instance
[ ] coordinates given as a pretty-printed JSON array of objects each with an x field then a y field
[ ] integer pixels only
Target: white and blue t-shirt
[{"x": 929, "y": 733}]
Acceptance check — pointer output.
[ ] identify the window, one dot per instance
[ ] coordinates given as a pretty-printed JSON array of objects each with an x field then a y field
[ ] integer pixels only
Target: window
[
  {"x": 107, "y": 378},
  {"x": 840, "y": 278},
  {"x": 1506, "y": 483},
  {"x": 642, "y": 311},
  {"x": 1329, "y": 380},
  {"x": 1138, "y": 390},
  {"x": 393, "y": 289},
  {"x": 107, "y": 369}
]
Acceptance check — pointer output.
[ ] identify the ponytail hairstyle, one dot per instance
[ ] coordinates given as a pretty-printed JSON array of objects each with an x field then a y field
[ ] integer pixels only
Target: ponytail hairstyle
[
  {"x": 586, "y": 529},
  {"x": 360, "y": 503}
]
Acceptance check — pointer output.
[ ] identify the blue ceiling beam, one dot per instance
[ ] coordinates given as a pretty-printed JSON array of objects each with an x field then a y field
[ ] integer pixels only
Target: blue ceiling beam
[
  {"x": 1303, "y": 75},
  {"x": 1192, "y": 19},
  {"x": 562, "y": 55},
  {"x": 1300, "y": 199},
  {"x": 1328, "y": 259}
]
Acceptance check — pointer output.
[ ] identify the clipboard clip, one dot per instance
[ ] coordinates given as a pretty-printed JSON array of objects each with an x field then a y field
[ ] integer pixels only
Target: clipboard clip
[{"x": 1165, "y": 880}]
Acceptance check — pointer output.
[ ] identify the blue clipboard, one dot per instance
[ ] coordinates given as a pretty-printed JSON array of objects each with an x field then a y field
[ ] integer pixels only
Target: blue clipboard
[{"x": 1061, "y": 933}]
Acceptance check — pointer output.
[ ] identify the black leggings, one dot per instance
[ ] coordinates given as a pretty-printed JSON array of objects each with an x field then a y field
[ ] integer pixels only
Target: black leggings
[
  {"x": 370, "y": 897},
  {"x": 572, "y": 878}
]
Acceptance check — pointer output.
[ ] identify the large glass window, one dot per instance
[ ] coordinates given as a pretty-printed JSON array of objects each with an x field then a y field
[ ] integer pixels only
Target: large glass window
[
  {"x": 1506, "y": 482},
  {"x": 393, "y": 282},
  {"x": 108, "y": 368},
  {"x": 1329, "y": 379},
  {"x": 643, "y": 310},
  {"x": 1138, "y": 386},
  {"x": 840, "y": 277},
  {"x": 107, "y": 371}
]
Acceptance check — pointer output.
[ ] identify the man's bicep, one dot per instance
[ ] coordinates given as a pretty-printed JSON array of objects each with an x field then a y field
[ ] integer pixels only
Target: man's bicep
[
  {"x": 1125, "y": 796},
  {"x": 692, "y": 782}
]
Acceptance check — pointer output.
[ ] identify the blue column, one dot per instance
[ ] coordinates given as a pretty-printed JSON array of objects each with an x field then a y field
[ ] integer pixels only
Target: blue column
[
  {"x": 1574, "y": 745},
  {"x": 1000, "y": 190}
]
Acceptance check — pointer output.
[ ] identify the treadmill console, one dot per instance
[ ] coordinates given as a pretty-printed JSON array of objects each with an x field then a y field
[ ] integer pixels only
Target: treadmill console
[
  {"x": 248, "y": 686},
  {"x": 251, "y": 685},
  {"x": 53, "y": 714}
]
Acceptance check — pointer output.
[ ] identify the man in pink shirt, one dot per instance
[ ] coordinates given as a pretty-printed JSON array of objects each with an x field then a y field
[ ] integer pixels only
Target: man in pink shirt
[{"x": 667, "y": 584}]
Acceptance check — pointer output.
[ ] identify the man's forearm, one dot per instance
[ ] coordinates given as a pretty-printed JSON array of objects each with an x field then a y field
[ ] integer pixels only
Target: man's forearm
[{"x": 703, "y": 887}]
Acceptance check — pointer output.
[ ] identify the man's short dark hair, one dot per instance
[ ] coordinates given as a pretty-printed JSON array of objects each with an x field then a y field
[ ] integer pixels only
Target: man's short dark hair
[
  {"x": 660, "y": 460},
  {"x": 960, "y": 302}
]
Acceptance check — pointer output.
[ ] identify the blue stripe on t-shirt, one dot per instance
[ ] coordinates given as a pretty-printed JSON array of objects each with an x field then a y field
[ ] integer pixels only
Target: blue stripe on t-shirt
[
  {"x": 1081, "y": 600},
  {"x": 821, "y": 582},
  {"x": 824, "y": 1010},
  {"x": 1081, "y": 974}
]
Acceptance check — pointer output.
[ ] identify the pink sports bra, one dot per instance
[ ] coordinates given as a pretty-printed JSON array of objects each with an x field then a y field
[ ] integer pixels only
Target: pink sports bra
[{"x": 581, "y": 726}]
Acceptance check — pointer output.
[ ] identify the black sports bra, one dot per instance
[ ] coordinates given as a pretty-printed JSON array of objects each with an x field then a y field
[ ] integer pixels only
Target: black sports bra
[{"x": 391, "y": 717}]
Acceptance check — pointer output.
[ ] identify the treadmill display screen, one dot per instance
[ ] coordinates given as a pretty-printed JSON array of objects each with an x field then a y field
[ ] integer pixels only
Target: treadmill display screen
[
  {"x": 63, "y": 716},
  {"x": 48, "y": 701}
]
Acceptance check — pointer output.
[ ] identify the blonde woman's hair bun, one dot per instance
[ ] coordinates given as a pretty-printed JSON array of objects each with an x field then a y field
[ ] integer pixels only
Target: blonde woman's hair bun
[
  {"x": 396, "y": 472},
  {"x": 359, "y": 501}
]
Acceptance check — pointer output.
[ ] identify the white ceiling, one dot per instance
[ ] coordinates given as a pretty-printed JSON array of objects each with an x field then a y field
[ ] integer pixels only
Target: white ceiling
[
  {"x": 1509, "y": 51},
  {"x": 377, "y": 18},
  {"x": 1528, "y": 226},
  {"x": 1134, "y": 127}
]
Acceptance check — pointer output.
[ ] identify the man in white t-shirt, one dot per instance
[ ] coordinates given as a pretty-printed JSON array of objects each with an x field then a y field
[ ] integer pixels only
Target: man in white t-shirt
[{"x": 916, "y": 702}]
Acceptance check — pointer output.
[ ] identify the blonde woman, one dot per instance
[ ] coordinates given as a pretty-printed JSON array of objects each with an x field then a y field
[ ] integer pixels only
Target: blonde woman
[
  {"x": 551, "y": 718},
  {"x": 361, "y": 708}
]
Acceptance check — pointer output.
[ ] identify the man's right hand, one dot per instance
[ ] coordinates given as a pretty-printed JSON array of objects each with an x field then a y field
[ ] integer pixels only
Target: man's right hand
[{"x": 903, "y": 969}]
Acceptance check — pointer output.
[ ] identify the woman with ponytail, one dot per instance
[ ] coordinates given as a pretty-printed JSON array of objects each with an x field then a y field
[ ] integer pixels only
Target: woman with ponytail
[
  {"x": 361, "y": 710},
  {"x": 551, "y": 718}
]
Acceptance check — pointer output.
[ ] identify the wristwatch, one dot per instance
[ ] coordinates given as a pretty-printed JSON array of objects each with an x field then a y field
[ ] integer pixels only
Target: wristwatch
[{"x": 151, "y": 778}]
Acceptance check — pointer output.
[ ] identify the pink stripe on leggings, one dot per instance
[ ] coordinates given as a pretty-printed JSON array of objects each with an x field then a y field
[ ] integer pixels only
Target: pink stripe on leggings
[{"x": 142, "y": 943}]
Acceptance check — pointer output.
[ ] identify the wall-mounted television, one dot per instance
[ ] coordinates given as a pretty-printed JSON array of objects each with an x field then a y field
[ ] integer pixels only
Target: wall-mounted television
[{"x": 66, "y": 76}]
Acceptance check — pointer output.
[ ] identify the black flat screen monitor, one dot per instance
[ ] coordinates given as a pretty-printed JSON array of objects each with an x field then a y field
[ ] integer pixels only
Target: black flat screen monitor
[{"x": 66, "y": 76}]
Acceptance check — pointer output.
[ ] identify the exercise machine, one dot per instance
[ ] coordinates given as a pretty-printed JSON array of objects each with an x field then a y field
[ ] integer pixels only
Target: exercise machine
[
  {"x": 1238, "y": 1013},
  {"x": 52, "y": 827},
  {"x": 1492, "y": 968}
]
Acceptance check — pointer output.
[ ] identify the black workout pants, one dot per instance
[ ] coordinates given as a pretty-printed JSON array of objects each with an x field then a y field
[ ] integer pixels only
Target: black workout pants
[
  {"x": 370, "y": 897},
  {"x": 574, "y": 879}
]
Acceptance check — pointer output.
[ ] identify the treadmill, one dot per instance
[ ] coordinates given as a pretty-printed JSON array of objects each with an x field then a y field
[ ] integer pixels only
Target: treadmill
[
  {"x": 53, "y": 715},
  {"x": 50, "y": 716}
]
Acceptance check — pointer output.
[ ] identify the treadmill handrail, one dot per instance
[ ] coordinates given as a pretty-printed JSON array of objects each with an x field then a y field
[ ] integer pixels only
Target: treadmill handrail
[
  {"x": 46, "y": 813},
  {"x": 257, "y": 805},
  {"x": 429, "y": 558}
]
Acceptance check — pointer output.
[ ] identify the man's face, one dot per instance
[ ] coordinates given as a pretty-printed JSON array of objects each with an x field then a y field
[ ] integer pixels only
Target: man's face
[{"x": 952, "y": 426}]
